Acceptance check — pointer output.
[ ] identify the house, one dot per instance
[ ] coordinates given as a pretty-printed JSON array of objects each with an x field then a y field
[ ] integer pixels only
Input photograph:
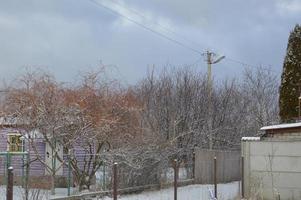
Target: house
[
  {"x": 15, "y": 151},
  {"x": 272, "y": 163}
]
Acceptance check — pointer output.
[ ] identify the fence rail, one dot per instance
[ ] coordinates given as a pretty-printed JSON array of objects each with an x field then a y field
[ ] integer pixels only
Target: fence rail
[
  {"x": 124, "y": 190},
  {"x": 121, "y": 179},
  {"x": 217, "y": 168}
]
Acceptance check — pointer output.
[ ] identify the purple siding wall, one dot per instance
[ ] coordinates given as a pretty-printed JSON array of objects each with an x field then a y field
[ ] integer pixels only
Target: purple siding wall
[
  {"x": 80, "y": 155},
  {"x": 36, "y": 167}
]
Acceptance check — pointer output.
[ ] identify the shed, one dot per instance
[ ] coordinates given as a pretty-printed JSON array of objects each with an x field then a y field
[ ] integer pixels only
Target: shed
[{"x": 291, "y": 130}]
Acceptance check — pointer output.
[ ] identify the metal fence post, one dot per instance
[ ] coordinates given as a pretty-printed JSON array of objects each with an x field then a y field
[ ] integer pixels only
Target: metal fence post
[
  {"x": 69, "y": 173},
  {"x": 175, "y": 163},
  {"x": 4, "y": 171},
  {"x": 27, "y": 175},
  {"x": 7, "y": 160},
  {"x": 215, "y": 178},
  {"x": 7, "y": 166},
  {"x": 115, "y": 181},
  {"x": 104, "y": 176},
  {"x": 23, "y": 171},
  {"x": 242, "y": 178},
  {"x": 10, "y": 183},
  {"x": 23, "y": 160},
  {"x": 193, "y": 165}
]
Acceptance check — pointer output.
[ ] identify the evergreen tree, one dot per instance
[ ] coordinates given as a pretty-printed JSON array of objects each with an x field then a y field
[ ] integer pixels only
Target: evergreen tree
[{"x": 291, "y": 78}]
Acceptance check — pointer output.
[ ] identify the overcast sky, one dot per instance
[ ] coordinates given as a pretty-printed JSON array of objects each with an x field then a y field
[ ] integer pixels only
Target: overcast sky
[{"x": 68, "y": 36}]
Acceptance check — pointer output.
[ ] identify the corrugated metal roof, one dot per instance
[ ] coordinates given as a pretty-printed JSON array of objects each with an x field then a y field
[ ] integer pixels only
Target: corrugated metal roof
[{"x": 281, "y": 126}]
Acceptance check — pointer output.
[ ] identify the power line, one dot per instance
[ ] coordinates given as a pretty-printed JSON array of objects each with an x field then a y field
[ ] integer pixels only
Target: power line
[
  {"x": 162, "y": 27},
  {"x": 194, "y": 63},
  {"x": 156, "y": 23},
  {"x": 146, "y": 28},
  {"x": 246, "y": 64},
  {"x": 240, "y": 62}
]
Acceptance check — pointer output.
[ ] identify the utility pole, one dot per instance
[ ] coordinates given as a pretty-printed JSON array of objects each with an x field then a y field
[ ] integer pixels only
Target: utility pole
[{"x": 210, "y": 61}]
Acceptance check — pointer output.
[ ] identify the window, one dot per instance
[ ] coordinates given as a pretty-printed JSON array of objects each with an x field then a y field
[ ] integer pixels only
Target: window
[{"x": 14, "y": 142}]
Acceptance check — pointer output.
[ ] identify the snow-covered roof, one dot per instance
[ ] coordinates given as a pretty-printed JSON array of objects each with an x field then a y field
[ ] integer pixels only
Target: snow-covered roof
[
  {"x": 250, "y": 138},
  {"x": 281, "y": 126},
  {"x": 8, "y": 121}
]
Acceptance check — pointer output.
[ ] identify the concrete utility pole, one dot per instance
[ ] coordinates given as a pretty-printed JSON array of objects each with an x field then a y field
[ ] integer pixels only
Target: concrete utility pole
[{"x": 210, "y": 61}]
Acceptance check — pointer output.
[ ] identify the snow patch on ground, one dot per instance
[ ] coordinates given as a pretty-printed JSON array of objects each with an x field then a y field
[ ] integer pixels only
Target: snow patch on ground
[
  {"x": 34, "y": 194},
  {"x": 227, "y": 191},
  {"x": 19, "y": 193}
]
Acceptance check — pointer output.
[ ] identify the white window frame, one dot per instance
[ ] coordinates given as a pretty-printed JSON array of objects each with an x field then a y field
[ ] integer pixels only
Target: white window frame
[{"x": 8, "y": 142}]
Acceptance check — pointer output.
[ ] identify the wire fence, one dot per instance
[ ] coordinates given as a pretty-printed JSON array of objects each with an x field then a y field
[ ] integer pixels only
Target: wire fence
[
  {"x": 87, "y": 176},
  {"x": 149, "y": 175}
]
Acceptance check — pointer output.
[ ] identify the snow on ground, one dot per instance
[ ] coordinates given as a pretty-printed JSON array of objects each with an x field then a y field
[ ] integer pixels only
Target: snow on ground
[
  {"x": 19, "y": 193},
  {"x": 34, "y": 194},
  {"x": 229, "y": 191}
]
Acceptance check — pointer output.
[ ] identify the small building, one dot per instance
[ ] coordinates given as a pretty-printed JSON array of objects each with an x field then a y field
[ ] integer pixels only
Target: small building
[
  {"x": 284, "y": 131},
  {"x": 272, "y": 163},
  {"x": 15, "y": 151}
]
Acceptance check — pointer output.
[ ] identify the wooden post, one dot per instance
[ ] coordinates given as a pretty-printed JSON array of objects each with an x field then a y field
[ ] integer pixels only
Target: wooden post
[
  {"x": 10, "y": 183},
  {"x": 115, "y": 181},
  {"x": 242, "y": 177},
  {"x": 175, "y": 163},
  {"x": 215, "y": 178}
]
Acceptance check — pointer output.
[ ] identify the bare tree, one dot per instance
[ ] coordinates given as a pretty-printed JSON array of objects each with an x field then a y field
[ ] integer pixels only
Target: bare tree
[
  {"x": 176, "y": 107},
  {"x": 144, "y": 126},
  {"x": 260, "y": 89},
  {"x": 79, "y": 120}
]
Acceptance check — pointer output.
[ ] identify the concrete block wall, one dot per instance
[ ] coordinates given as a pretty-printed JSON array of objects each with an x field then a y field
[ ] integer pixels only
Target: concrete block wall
[{"x": 272, "y": 168}]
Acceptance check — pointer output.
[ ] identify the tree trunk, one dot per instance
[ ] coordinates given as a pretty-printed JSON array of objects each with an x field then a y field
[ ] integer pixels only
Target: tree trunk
[
  {"x": 84, "y": 183},
  {"x": 53, "y": 184}
]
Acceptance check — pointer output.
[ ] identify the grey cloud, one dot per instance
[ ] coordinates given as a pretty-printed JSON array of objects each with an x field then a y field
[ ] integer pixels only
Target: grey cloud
[{"x": 68, "y": 36}]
